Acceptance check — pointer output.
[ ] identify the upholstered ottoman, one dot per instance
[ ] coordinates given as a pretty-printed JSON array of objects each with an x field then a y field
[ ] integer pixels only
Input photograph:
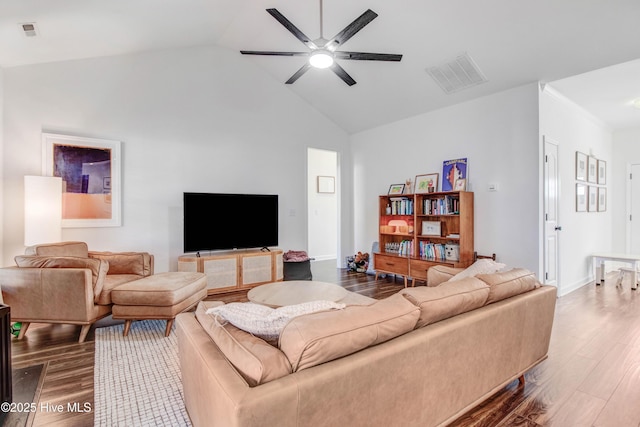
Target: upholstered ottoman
[{"x": 160, "y": 296}]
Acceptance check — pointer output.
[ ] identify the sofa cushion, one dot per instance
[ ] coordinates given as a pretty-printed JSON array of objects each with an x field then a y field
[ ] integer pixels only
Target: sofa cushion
[
  {"x": 266, "y": 322},
  {"x": 509, "y": 283},
  {"x": 257, "y": 361},
  {"x": 481, "y": 266},
  {"x": 98, "y": 267},
  {"x": 316, "y": 338},
  {"x": 448, "y": 299},
  {"x": 112, "y": 281},
  {"x": 77, "y": 249},
  {"x": 126, "y": 262}
]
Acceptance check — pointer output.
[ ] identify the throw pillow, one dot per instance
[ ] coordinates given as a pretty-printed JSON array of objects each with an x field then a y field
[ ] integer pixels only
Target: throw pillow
[
  {"x": 266, "y": 322},
  {"x": 481, "y": 266}
]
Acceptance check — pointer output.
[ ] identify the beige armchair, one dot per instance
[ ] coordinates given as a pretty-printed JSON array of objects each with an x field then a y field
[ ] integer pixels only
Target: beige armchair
[{"x": 67, "y": 283}]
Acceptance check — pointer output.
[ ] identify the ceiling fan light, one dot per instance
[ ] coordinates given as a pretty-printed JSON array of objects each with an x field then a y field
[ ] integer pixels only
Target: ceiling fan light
[{"x": 321, "y": 59}]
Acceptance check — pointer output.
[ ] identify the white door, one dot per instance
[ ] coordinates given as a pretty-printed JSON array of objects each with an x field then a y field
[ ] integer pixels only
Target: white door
[
  {"x": 634, "y": 214},
  {"x": 551, "y": 226}
]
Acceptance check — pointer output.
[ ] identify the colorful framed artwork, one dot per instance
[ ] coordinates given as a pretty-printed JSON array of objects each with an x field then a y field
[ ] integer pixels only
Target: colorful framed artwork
[
  {"x": 453, "y": 170},
  {"x": 396, "y": 189},
  {"x": 581, "y": 166},
  {"x": 426, "y": 183},
  {"x": 602, "y": 172},
  {"x": 592, "y": 170},
  {"x": 592, "y": 203},
  {"x": 581, "y": 198},
  {"x": 460, "y": 185},
  {"x": 602, "y": 199},
  {"x": 91, "y": 180}
]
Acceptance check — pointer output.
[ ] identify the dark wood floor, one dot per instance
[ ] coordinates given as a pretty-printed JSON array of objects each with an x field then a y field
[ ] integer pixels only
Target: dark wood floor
[{"x": 591, "y": 378}]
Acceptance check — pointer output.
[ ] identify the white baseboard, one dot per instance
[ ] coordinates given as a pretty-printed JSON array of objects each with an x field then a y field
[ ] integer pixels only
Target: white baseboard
[
  {"x": 573, "y": 286},
  {"x": 323, "y": 257}
]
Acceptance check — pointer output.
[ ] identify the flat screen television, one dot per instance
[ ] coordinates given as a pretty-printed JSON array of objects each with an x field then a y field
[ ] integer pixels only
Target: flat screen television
[{"x": 215, "y": 221}]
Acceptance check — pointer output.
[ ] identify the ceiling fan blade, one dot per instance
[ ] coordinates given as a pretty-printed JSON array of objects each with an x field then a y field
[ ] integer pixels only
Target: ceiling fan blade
[
  {"x": 292, "y": 28},
  {"x": 270, "y": 53},
  {"x": 365, "y": 56},
  {"x": 342, "y": 74},
  {"x": 351, "y": 29},
  {"x": 298, "y": 73}
]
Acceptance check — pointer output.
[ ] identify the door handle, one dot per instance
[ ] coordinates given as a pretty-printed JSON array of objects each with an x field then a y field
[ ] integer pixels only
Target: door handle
[{"x": 558, "y": 228}]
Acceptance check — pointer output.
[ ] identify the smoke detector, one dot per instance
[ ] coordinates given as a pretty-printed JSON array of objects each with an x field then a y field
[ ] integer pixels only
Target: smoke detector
[
  {"x": 29, "y": 29},
  {"x": 461, "y": 73}
]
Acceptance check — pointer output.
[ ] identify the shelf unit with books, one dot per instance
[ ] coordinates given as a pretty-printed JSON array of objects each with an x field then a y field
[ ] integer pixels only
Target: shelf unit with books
[{"x": 435, "y": 229}]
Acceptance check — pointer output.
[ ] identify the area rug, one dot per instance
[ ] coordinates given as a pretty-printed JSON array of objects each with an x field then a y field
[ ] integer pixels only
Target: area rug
[{"x": 137, "y": 378}]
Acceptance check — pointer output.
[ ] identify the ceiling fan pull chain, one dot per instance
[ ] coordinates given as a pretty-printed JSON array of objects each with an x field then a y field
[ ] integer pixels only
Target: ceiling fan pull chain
[{"x": 321, "y": 23}]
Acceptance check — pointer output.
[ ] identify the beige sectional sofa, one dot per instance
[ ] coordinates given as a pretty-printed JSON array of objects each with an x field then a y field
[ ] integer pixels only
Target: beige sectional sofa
[{"x": 421, "y": 357}]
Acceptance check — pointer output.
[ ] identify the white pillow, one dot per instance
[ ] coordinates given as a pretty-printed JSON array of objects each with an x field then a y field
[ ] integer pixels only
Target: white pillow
[
  {"x": 266, "y": 322},
  {"x": 481, "y": 266}
]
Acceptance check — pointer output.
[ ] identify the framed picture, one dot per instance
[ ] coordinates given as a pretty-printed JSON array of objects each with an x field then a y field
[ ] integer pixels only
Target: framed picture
[
  {"x": 592, "y": 204},
  {"x": 602, "y": 199},
  {"x": 460, "y": 185},
  {"x": 602, "y": 172},
  {"x": 581, "y": 166},
  {"x": 396, "y": 189},
  {"x": 592, "y": 170},
  {"x": 431, "y": 228},
  {"x": 453, "y": 170},
  {"x": 426, "y": 183},
  {"x": 581, "y": 198},
  {"x": 326, "y": 184},
  {"x": 90, "y": 172}
]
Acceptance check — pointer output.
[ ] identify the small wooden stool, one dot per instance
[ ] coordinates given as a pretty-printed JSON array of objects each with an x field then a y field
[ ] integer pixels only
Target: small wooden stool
[{"x": 160, "y": 296}]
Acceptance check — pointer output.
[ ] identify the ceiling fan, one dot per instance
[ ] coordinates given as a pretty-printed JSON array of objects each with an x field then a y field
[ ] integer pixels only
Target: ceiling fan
[{"x": 322, "y": 52}]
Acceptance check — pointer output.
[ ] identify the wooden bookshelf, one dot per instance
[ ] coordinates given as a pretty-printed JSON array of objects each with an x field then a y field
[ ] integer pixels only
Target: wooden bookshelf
[{"x": 433, "y": 220}]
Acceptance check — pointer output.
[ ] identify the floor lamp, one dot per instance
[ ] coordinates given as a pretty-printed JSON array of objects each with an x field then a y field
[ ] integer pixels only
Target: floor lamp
[{"x": 42, "y": 209}]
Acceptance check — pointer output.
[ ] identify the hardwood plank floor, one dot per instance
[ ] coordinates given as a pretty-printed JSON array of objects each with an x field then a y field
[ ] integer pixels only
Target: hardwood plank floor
[{"x": 591, "y": 378}]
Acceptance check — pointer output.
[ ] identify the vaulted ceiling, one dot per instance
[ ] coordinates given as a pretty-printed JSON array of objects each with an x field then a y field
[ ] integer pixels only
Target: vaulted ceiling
[{"x": 512, "y": 42}]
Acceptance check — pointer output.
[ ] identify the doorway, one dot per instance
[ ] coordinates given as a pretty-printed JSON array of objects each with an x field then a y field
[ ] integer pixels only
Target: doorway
[
  {"x": 551, "y": 226},
  {"x": 322, "y": 205},
  {"x": 634, "y": 209}
]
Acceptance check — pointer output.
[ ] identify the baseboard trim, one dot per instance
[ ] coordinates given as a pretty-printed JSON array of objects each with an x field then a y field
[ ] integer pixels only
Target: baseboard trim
[{"x": 574, "y": 286}]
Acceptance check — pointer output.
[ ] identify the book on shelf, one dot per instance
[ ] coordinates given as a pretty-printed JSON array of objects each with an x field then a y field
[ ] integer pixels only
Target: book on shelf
[
  {"x": 401, "y": 206},
  {"x": 447, "y": 205},
  {"x": 432, "y": 251}
]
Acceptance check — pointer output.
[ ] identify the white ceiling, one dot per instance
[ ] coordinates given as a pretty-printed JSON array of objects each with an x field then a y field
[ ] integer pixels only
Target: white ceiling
[{"x": 513, "y": 42}]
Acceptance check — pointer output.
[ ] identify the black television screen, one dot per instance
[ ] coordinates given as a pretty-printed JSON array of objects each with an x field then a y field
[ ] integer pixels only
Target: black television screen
[{"x": 214, "y": 221}]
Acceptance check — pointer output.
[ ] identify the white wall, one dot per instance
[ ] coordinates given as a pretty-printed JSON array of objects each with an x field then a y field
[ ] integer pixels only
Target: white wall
[
  {"x": 200, "y": 119},
  {"x": 626, "y": 151},
  {"x": 322, "y": 207},
  {"x": 583, "y": 233},
  {"x": 499, "y": 136}
]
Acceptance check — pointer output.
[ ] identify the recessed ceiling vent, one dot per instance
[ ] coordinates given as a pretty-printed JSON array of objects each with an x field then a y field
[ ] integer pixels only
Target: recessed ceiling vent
[
  {"x": 29, "y": 29},
  {"x": 461, "y": 73}
]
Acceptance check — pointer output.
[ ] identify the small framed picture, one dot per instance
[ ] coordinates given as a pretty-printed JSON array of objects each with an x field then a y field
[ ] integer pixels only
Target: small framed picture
[
  {"x": 592, "y": 170},
  {"x": 593, "y": 199},
  {"x": 431, "y": 228},
  {"x": 581, "y": 198},
  {"x": 602, "y": 199},
  {"x": 326, "y": 184},
  {"x": 581, "y": 166},
  {"x": 396, "y": 189},
  {"x": 460, "y": 185},
  {"x": 426, "y": 183},
  {"x": 602, "y": 172}
]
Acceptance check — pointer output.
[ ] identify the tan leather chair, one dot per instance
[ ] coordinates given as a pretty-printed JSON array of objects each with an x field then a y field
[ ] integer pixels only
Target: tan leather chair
[{"x": 66, "y": 283}]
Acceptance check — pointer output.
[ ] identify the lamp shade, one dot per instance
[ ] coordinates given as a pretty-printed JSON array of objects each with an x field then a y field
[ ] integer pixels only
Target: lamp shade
[{"x": 42, "y": 209}]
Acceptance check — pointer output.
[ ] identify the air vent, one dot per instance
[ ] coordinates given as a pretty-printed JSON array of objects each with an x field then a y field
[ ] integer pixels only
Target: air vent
[
  {"x": 29, "y": 29},
  {"x": 461, "y": 73}
]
